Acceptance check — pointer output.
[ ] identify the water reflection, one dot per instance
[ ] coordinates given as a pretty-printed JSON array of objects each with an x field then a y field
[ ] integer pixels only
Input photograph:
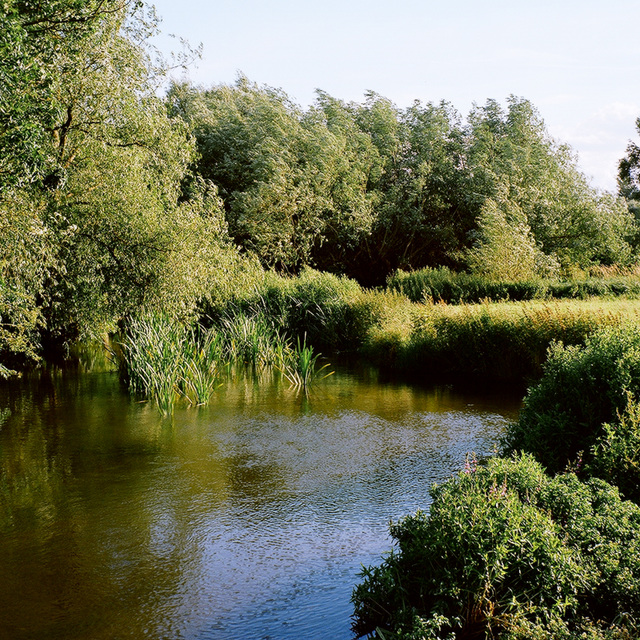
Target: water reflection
[{"x": 249, "y": 518}]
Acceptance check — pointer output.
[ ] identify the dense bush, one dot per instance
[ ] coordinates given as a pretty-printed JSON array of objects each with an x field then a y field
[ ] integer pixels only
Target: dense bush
[
  {"x": 583, "y": 411},
  {"x": 509, "y": 552}
]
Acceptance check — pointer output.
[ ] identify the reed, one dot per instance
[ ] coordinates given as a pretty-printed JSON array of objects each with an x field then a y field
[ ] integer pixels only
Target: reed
[
  {"x": 251, "y": 340},
  {"x": 299, "y": 365},
  {"x": 202, "y": 352},
  {"x": 491, "y": 341},
  {"x": 163, "y": 360},
  {"x": 444, "y": 285}
]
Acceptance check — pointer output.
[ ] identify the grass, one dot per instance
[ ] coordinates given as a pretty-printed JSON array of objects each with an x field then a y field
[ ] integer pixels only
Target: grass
[
  {"x": 299, "y": 365},
  {"x": 505, "y": 341},
  {"x": 163, "y": 360},
  {"x": 444, "y": 285},
  {"x": 281, "y": 323}
]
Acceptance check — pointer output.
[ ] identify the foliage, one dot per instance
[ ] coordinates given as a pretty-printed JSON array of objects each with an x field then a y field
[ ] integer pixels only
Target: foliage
[
  {"x": 324, "y": 307},
  {"x": 163, "y": 360},
  {"x": 517, "y": 165},
  {"x": 584, "y": 410},
  {"x": 299, "y": 364},
  {"x": 505, "y": 248},
  {"x": 615, "y": 455},
  {"x": 92, "y": 229},
  {"x": 283, "y": 174},
  {"x": 367, "y": 188},
  {"x": 508, "y": 552},
  {"x": 443, "y": 285},
  {"x": 504, "y": 342},
  {"x": 251, "y": 340},
  {"x": 629, "y": 176}
]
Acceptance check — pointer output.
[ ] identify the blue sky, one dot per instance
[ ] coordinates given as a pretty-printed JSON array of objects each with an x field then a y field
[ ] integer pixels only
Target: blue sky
[{"x": 578, "y": 62}]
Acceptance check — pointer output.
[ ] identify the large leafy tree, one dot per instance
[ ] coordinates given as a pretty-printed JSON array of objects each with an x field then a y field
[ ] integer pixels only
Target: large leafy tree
[
  {"x": 514, "y": 163},
  {"x": 423, "y": 217},
  {"x": 91, "y": 174},
  {"x": 292, "y": 182},
  {"x": 629, "y": 177}
]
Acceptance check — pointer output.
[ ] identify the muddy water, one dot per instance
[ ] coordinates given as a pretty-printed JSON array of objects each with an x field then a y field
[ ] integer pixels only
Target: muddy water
[{"x": 247, "y": 519}]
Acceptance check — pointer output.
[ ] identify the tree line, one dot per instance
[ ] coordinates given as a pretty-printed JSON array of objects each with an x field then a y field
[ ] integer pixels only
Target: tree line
[
  {"x": 115, "y": 198},
  {"x": 367, "y": 188}
]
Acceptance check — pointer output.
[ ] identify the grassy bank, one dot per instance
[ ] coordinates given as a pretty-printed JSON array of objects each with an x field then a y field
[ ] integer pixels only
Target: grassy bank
[
  {"x": 505, "y": 341},
  {"x": 444, "y": 285},
  {"x": 260, "y": 323}
]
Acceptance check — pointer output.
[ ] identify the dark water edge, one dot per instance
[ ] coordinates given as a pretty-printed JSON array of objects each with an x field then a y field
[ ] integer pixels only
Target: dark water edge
[{"x": 248, "y": 519}]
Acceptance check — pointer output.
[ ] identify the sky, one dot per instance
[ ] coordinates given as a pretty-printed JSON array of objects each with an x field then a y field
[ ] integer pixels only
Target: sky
[{"x": 576, "y": 61}]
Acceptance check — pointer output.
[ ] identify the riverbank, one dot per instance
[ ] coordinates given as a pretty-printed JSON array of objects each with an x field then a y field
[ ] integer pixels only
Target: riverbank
[{"x": 498, "y": 341}]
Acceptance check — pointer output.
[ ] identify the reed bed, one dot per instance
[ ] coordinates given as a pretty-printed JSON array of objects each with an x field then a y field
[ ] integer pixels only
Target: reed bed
[
  {"x": 167, "y": 362},
  {"x": 164, "y": 360},
  {"x": 443, "y": 285},
  {"x": 299, "y": 365}
]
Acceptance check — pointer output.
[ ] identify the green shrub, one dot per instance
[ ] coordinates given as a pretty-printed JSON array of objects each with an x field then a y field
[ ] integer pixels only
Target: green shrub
[
  {"x": 508, "y": 552},
  {"x": 582, "y": 390},
  {"x": 615, "y": 455},
  {"x": 324, "y": 307}
]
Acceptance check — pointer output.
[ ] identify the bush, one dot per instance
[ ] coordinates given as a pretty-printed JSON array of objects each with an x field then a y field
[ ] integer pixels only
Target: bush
[
  {"x": 583, "y": 409},
  {"x": 508, "y": 552},
  {"x": 615, "y": 455},
  {"x": 329, "y": 310}
]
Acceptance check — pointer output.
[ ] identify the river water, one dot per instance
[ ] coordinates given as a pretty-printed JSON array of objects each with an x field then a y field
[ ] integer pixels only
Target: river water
[{"x": 247, "y": 519}]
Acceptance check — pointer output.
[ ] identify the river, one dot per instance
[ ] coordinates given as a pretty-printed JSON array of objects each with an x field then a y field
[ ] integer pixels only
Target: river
[{"x": 248, "y": 519}]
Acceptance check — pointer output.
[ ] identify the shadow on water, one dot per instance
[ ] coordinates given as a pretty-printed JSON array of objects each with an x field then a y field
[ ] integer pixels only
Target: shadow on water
[{"x": 249, "y": 518}]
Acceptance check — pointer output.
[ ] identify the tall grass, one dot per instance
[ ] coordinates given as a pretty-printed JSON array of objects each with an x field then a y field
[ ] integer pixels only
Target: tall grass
[
  {"x": 163, "y": 360},
  {"x": 251, "y": 340},
  {"x": 491, "y": 341},
  {"x": 166, "y": 361},
  {"x": 299, "y": 365},
  {"x": 444, "y": 285}
]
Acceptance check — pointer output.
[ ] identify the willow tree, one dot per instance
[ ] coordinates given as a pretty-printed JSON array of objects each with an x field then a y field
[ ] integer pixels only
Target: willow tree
[
  {"x": 294, "y": 184},
  {"x": 97, "y": 168},
  {"x": 514, "y": 163}
]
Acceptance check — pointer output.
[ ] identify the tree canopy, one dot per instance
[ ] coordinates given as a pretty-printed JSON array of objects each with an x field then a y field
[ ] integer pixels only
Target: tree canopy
[
  {"x": 367, "y": 188},
  {"x": 92, "y": 163}
]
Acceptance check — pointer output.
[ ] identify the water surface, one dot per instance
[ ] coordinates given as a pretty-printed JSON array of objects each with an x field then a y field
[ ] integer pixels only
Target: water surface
[{"x": 247, "y": 519}]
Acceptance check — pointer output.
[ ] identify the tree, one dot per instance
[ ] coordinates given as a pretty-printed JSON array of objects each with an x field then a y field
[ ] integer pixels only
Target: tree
[
  {"x": 629, "y": 177},
  {"x": 286, "y": 177},
  {"x": 505, "y": 248},
  {"x": 423, "y": 217},
  {"x": 512, "y": 159},
  {"x": 98, "y": 168}
]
